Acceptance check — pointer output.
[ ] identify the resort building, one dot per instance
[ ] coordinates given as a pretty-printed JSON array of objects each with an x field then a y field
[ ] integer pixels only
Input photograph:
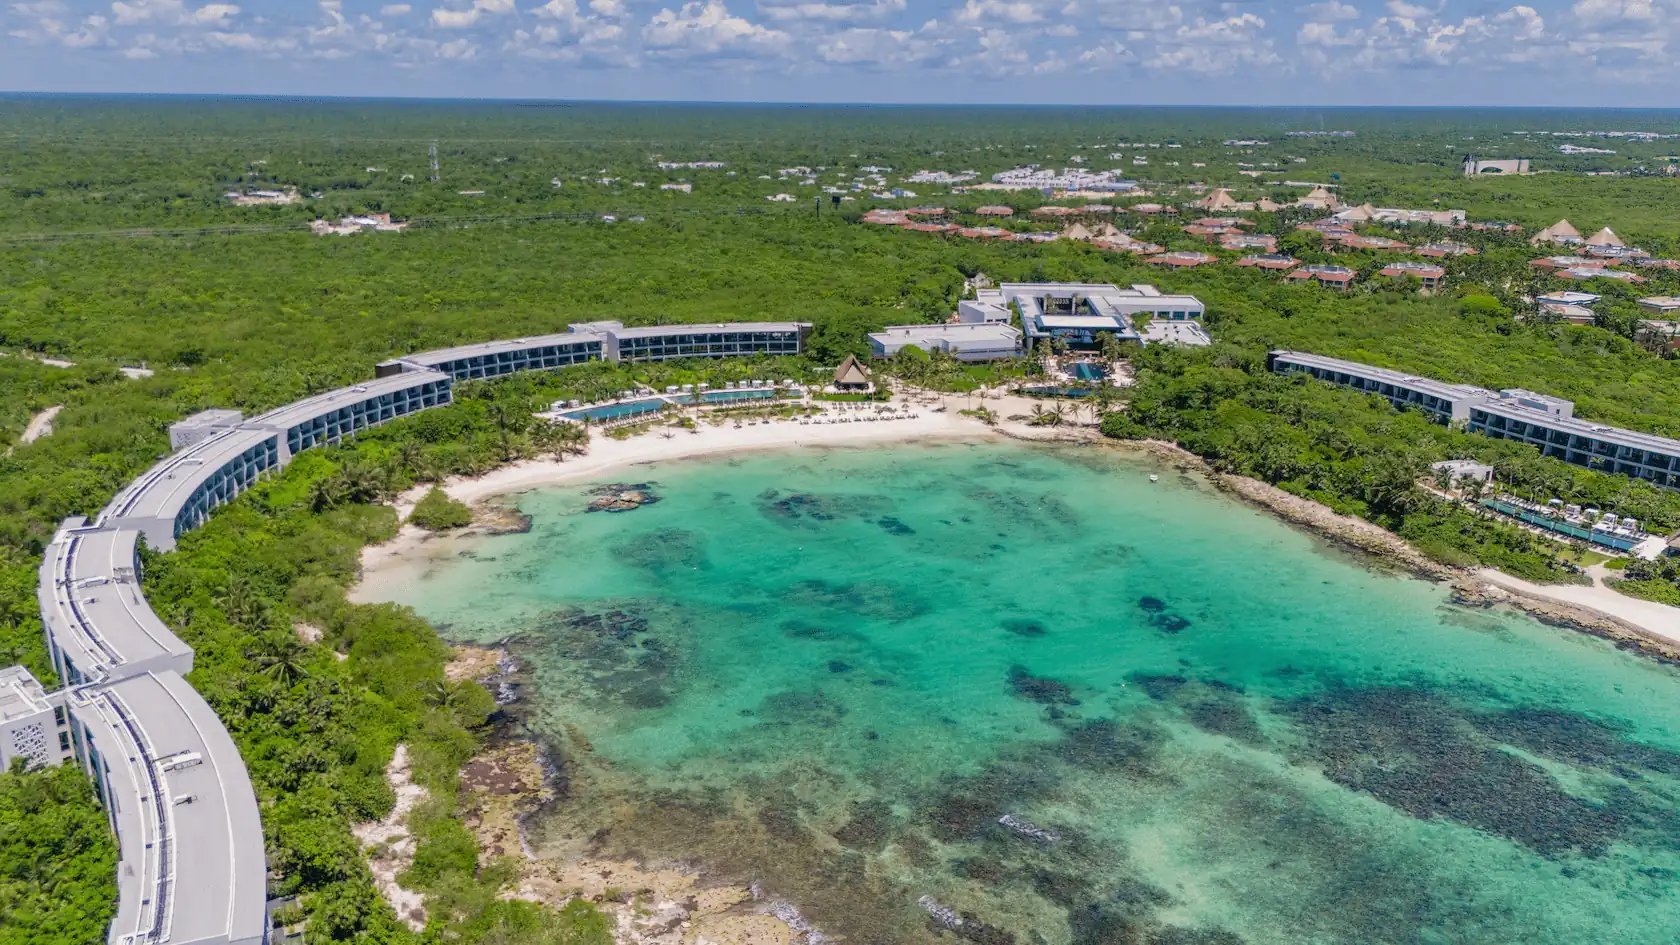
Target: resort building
[
  {"x": 1078, "y": 314},
  {"x": 495, "y": 358},
  {"x": 1560, "y": 233},
  {"x": 1336, "y": 277},
  {"x": 201, "y": 426},
  {"x": 988, "y": 341},
  {"x": 1264, "y": 242},
  {"x": 1446, "y": 403},
  {"x": 1429, "y": 276},
  {"x": 97, "y": 623},
  {"x": 1444, "y": 250},
  {"x": 32, "y": 724},
  {"x": 1568, "y": 262},
  {"x": 1366, "y": 213},
  {"x": 728, "y": 339},
  {"x": 178, "y": 494},
  {"x": 191, "y": 867},
  {"x": 1355, "y": 241},
  {"x": 995, "y": 211},
  {"x": 1272, "y": 262},
  {"x": 1182, "y": 260},
  {"x": 327, "y": 418},
  {"x": 1582, "y": 273},
  {"x": 1661, "y": 304},
  {"x": 1473, "y": 167},
  {"x": 1547, "y": 423}
]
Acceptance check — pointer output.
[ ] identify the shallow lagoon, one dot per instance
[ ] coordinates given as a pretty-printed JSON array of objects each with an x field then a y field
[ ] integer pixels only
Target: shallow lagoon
[{"x": 833, "y": 672}]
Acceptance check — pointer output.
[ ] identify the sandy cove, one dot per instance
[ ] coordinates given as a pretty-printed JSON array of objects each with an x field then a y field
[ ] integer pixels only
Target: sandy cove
[{"x": 1650, "y": 627}]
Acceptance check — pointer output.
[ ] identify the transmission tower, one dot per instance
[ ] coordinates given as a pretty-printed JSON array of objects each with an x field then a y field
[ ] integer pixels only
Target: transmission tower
[{"x": 435, "y": 176}]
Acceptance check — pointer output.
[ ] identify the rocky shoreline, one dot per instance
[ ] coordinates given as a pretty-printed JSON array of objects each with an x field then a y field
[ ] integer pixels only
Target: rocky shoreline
[
  {"x": 516, "y": 775},
  {"x": 1469, "y": 589}
]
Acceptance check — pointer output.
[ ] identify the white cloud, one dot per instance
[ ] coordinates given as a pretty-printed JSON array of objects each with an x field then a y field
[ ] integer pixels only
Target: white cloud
[
  {"x": 1330, "y": 11},
  {"x": 1136, "y": 17},
  {"x": 819, "y": 12},
  {"x": 394, "y": 10},
  {"x": 171, "y": 13},
  {"x": 708, "y": 29},
  {"x": 450, "y": 19},
  {"x": 998, "y": 11}
]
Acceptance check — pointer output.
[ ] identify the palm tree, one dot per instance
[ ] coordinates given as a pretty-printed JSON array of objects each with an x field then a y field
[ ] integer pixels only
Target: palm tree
[
  {"x": 241, "y": 604},
  {"x": 281, "y": 657}
]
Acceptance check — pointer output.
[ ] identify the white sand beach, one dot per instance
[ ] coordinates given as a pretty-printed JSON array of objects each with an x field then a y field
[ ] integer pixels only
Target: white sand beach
[{"x": 918, "y": 423}]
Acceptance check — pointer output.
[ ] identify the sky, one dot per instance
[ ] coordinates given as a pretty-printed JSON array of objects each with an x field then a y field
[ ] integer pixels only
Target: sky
[{"x": 1165, "y": 52}]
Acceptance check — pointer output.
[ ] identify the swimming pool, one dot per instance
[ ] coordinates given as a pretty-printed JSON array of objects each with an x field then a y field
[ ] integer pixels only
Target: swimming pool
[
  {"x": 1089, "y": 371},
  {"x": 724, "y": 396},
  {"x": 615, "y": 411}
]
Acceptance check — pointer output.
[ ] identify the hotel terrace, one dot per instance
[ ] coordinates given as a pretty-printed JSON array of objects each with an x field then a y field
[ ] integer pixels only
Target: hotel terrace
[{"x": 1546, "y": 423}]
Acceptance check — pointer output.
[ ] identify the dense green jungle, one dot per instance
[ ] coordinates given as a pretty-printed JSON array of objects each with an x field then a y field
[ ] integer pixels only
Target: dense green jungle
[{"x": 120, "y": 249}]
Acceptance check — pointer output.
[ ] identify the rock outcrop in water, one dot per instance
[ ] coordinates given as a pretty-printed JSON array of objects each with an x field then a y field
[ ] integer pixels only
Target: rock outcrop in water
[{"x": 621, "y": 497}]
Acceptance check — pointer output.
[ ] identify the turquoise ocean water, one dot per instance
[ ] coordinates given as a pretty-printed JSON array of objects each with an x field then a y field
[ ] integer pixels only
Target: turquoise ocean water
[{"x": 834, "y": 672}]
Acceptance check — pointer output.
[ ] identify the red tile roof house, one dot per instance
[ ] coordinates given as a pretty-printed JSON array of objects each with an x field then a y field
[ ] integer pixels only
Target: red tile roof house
[
  {"x": 1430, "y": 276},
  {"x": 1672, "y": 265},
  {"x": 1182, "y": 260},
  {"x": 1269, "y": 261},
  {"x": 1444, "y": 250},
  {"x": 1233, "y": 222},
  {"x": 926, "y": 212},
  {"x": 886, "y": 217},
  {"x": 1055, "y": 211},
  {"x": 1568, "y": 262},
  {"x": 983, "y": 232},
  {"x": 931, "y": 227},
  {"x": 995, "y": 211},
  {"x": 1336, "y": 277},
  {"x": 1150, "y": 208}
]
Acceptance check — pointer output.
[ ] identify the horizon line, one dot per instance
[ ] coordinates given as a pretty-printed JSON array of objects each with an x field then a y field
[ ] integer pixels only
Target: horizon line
[{"x": 789, "y": 103}]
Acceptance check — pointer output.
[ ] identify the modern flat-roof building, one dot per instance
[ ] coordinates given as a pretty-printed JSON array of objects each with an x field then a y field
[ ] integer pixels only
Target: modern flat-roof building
[
  {"x": 1548, "y": 424},
  {"x": 980, "y": 341},
  {"x": 325, "y": 419},
  {"x": 723, "y": 340},
  {"x": 32, "y": 723},
  {"x": 1446, "y": 403},
  {"x": 178, "y": 494},
  {"x": 1662, "y": 304},
  {"x": 191, "y": 866},
  {"x": 97, "y": 622},
  {"x": 1544, "y": 422},
  {"x": 1078, "y": 314},
  {"x": 201, "y": 426},
  {"x": 495, "y": 358}
]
